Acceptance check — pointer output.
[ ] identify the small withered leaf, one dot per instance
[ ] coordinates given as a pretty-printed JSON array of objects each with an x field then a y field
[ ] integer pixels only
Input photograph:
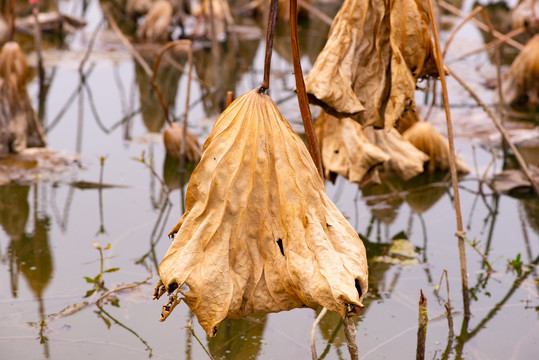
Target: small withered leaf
[{"x": 254, "y": 238}]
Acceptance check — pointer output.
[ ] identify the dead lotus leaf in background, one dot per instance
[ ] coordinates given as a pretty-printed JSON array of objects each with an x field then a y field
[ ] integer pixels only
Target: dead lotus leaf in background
[
  {"x": 405, "y": 160},
  {"x": 427, "y": 139},
  {"x": 259, "y": 233},
  {"x": 520, "y": 85},
  {"x": 374, "y": 54},
  {"x": 345, "y": 150},
  {"x": 155, "y": 26},
  {"x": 173, "y": 138},
  {"x": 19, "y": 126}
]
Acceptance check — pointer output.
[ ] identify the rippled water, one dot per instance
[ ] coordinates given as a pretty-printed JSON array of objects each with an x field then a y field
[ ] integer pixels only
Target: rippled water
[{"x": 47, "y": 230}]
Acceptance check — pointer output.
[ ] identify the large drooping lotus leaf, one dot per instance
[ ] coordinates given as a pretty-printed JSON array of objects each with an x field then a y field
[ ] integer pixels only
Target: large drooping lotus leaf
[
  {"x": 259, "y": 233},
  {"x": 345, "y": 150},
  {"x": 375, "y": 52}
]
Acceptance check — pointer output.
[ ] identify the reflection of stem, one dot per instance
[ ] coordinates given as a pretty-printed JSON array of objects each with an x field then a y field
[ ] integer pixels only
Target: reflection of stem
[
  {"x": 453, "y": 167},
  {"x": 127, "y": 328},
  {"x": 90, "y": 46},
  {"x": 465, "y": 335},
  {"x": 69, "y": 101},
  {"x": 196, "y": 337},
  {"x": 331, "y": 339}
]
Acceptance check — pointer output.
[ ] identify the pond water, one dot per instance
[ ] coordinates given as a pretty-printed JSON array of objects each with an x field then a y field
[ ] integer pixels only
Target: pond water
[{"x": 48, "y": 229}]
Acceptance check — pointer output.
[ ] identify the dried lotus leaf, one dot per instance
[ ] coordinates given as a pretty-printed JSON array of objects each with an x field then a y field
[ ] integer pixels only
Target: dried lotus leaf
[
  {"x": 156, "y": 24},
  {"x": 173, "y": 139},
  {"x": 344, "y": 148},
  {"x": 427, "y": 139},
  {"x": 369, "y": 66},
  {"x": 520, "y": 84},
  {"x": 259, "y": 233},
  {"x": 404, "y": 159}
]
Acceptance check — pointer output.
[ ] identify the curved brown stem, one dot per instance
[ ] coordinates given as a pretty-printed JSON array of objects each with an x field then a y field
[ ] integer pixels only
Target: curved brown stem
[
  {"x": 303, "y": 101},
  {"x": 270, "y": 32}
]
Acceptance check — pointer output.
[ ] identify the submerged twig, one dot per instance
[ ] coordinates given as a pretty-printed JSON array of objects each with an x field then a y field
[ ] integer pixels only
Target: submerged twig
[
  {"x": 313, "y": 332},
  {"x": 421, "y": 326},
  {"x": 306, "y": 117},
  {"x": 452, "y": 163},
  {"x": 501, "y": 129}
]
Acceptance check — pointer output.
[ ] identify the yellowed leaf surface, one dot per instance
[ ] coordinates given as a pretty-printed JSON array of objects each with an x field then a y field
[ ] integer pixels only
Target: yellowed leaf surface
[
  {"x": 373, "y": 56},
  {"x": 155, "y": 25},
  {"x": 405, "y": 160},
  {"x": 260, "y": 234},
  {"x": 344, "y": 148},
  {"x": 521, "y": 83},
  {"x": 427, "y": 139},
  {"x": 173, "y": 138}
]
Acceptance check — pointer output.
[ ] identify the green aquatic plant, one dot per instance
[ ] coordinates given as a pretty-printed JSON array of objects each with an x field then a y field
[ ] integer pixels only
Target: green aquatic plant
[{"x": 97, "y": 281}]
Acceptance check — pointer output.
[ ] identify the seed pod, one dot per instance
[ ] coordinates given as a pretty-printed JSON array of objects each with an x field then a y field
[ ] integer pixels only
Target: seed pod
[{"x": 259, "y": 233}]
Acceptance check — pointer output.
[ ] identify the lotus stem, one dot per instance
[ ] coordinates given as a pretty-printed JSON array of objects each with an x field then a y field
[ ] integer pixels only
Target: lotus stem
[
  {"x": 452, "y": 163},
  {"x": 350, "y": 334},
  {"x": 313, "y": 332},
  {"x": 421, "y": 326},
  {"x": 270, "y": 32},
  {"x": 306, "y": 117}
]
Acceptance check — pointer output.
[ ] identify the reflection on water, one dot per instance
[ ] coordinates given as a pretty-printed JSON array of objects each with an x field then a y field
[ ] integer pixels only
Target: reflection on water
[{"x": 48, "y": 229}]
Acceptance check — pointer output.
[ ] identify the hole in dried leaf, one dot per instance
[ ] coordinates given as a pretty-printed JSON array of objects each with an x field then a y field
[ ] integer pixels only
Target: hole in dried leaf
[
  {"x": 328, "y": 225},
  {"x": 280, "y": 243},
  {"x": 214, "y": 330},
  {"x": 358, "y": 288},
  {"x": 173, "y": 286},
  {"x": 336, "y": 151}
]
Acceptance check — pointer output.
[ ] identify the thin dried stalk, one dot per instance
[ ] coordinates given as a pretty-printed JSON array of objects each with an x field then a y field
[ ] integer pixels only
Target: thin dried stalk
[
  {"x": 453, "y": 165},
  {"x": 478, "y": 23},
  {"x": 498, "y": 41},
  {"x": 270, "y": 32},
  {"x": 313, "y": 332},
  {"x": 468, "y": 18},
  {"x": 127, "y": 43},
  {"x": 501, "y": 129},
  {"x": 312, "y": 143},
  {"x": 421, "y": 326}
]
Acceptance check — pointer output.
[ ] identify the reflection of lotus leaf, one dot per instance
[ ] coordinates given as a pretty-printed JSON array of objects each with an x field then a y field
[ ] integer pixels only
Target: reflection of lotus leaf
[
  {"x": 167, "y": 79},
  {"x": 36, "y": 165},
  {"x": 14, "y": 209},
  {"x": 401, "y": 252},
  {"x": 238, "y": 338},
  {"x": 171, "y": 172}
]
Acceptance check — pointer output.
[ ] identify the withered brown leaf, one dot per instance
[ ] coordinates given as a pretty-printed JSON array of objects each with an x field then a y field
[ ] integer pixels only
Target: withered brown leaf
[
  {"x": 259, "y": 233},
  {"x": 375, "y": 52},
  {"x": 344, "y": 148}
]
